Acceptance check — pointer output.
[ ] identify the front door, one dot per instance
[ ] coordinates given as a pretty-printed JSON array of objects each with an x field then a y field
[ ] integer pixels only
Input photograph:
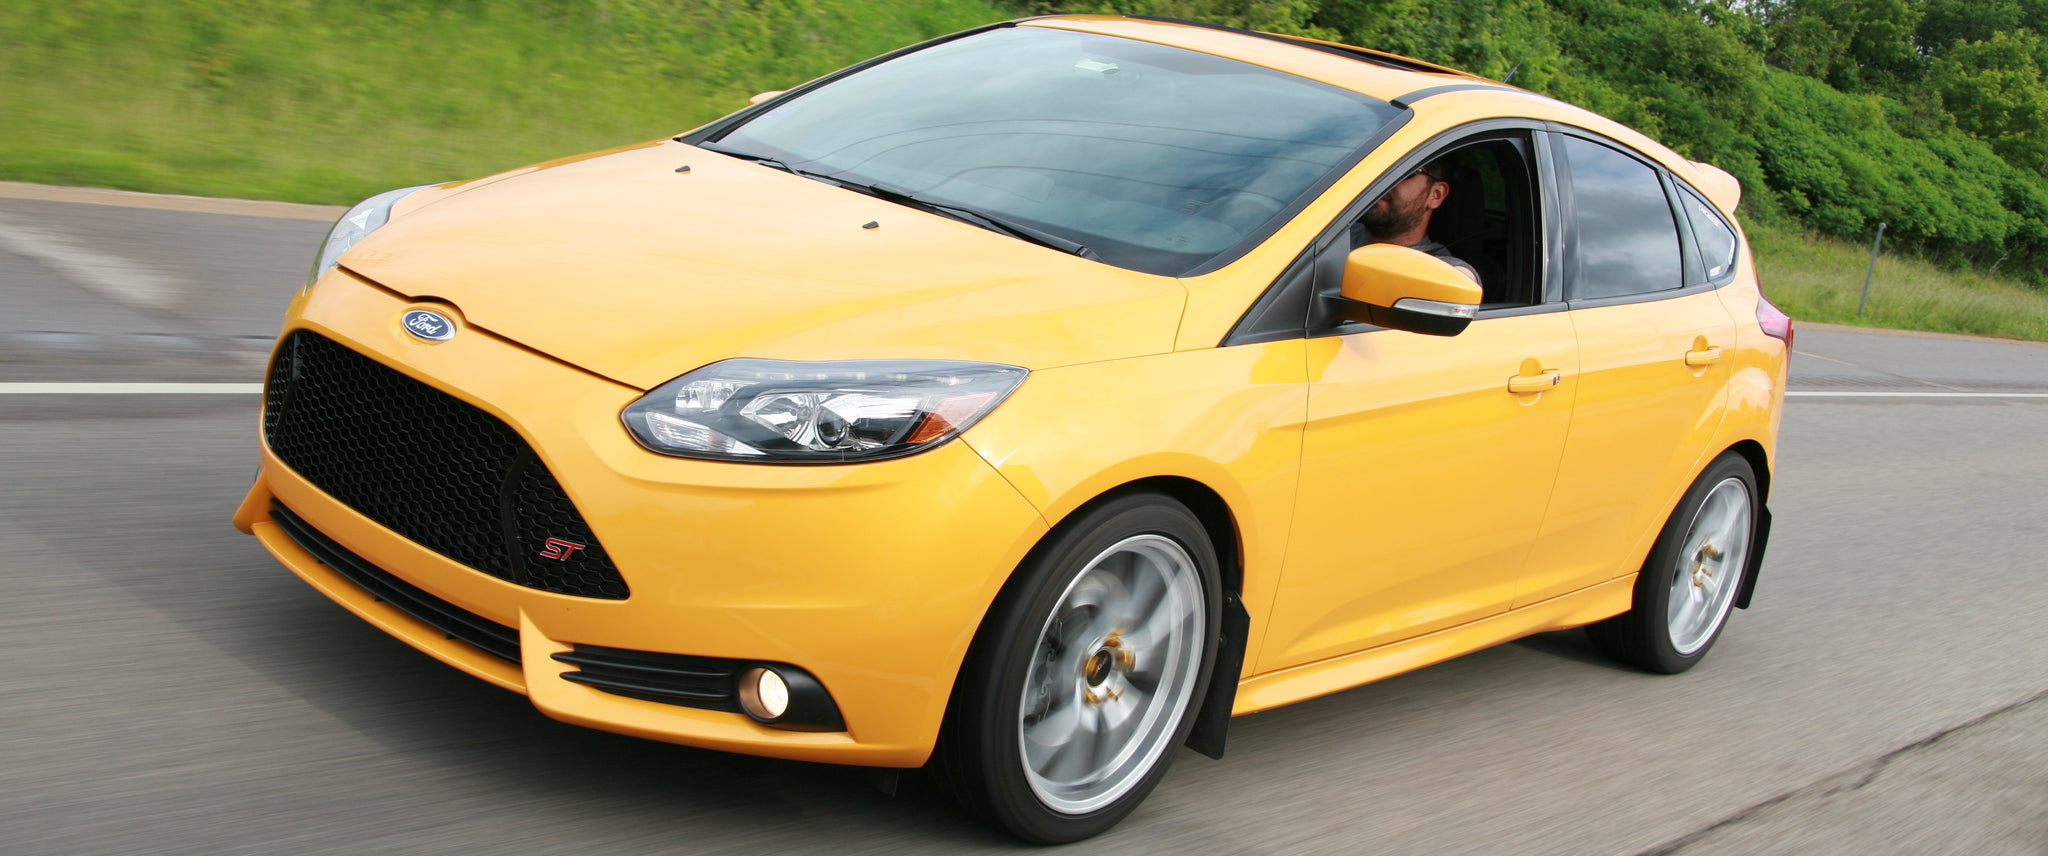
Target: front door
[{"x": 1423, "y": 481}]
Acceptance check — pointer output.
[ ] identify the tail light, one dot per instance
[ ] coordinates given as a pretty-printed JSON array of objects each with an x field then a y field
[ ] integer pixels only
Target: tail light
[{"x": 1775, "y": 322}]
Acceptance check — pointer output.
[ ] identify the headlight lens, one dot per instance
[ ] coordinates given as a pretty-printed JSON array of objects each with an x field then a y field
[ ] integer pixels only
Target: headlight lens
[
  {"x": 357, "y": 224},
  {"x": 771, "y": 411}
]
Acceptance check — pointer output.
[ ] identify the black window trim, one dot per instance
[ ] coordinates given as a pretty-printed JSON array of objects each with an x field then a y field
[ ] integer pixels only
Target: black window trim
[
  {"x": 1295, "y": 283},
  {"x": 1569, "y": 214},
  {"x": 1557, "y": 212},
  {"x": 1642, "y": 297},
  {"x": 1688, "y": 246},
  {"x": 1261, "y": 322},
  {"x": 1407, "y": 101},
  {"x": 1727, "y": 276}
]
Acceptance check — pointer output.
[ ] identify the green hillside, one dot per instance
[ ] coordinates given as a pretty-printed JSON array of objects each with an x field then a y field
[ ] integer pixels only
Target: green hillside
[{"x": 332, "y": 100}]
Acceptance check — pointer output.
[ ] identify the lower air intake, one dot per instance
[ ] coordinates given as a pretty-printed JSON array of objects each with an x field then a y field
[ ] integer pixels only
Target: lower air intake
[
  {"x": 458, "y": 623},
  {"x": 704, "y": 682}
]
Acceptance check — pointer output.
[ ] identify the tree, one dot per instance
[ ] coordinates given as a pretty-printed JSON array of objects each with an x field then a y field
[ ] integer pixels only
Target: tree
[
  {"x": 1995, "y": 90},
  {"x": 1854, "y": 45},
  {"x": 1485, "y": 37},
  {"x": 1949, "y": 22},
  {"x": 1279, "y": 16}
]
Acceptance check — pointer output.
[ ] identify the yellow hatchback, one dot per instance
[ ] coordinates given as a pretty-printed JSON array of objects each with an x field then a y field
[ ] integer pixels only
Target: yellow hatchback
[{"x": 1025, "y": 403}]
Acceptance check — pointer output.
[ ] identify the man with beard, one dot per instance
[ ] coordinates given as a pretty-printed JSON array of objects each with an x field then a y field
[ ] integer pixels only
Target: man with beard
[{"x": 1402, "y": 216}]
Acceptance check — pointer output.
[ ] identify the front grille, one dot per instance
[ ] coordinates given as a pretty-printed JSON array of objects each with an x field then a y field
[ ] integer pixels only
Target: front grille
[
  {"x": 456, "y": 622},
  {"x": 430, "y": 467},
  {"x": 679, "y": 679}
]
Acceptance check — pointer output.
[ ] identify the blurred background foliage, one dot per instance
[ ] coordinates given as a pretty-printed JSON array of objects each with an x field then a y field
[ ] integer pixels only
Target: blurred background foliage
[
  {"x": 332, "y": 100},
  {"x": 1929, "y": 115}
]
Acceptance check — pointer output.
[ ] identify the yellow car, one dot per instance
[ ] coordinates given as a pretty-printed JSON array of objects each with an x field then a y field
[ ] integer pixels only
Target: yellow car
[{"x": 1024, "y": 404}]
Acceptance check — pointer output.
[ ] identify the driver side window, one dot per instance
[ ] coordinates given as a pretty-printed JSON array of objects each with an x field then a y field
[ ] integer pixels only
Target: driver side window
[
  {"x": 1472, "y": 204},
  {"x": 1488, "y": 217}
]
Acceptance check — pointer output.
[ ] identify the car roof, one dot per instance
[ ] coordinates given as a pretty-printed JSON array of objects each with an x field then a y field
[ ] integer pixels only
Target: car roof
[{"x": 1379, "y": 74}]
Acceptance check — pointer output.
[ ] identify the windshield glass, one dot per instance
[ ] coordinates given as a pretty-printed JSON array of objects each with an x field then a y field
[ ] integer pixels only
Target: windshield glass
[{"x": 1155, "y": 158}]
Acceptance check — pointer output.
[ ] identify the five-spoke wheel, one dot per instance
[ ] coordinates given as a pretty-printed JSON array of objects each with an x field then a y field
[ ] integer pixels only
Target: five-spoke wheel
[
  {"x": 1689, "y": 582},
  {"x": 1086, "y": 675},
  {"x": 1116, "y": 664}
]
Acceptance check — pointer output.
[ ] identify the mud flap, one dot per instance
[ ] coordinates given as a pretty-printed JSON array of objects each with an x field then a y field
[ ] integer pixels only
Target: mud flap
[
  {"x": 1212, "y": 724},
  {"x": 1756, "y": 559}
]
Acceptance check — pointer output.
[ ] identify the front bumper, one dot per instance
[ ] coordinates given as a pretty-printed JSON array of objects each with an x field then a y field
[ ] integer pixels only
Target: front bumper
[{"x": 872, "y": 577}]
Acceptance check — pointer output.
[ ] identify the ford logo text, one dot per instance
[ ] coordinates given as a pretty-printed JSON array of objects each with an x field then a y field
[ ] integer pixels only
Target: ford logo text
[{"x": 429, "y": 325}]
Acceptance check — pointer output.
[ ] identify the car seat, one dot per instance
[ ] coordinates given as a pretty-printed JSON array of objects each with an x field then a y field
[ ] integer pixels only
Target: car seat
[{"x": 1460, "y": 224}]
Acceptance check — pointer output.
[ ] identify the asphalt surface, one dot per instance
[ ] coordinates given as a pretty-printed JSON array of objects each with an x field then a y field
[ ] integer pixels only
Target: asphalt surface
[{"x": 167, "y": 688}]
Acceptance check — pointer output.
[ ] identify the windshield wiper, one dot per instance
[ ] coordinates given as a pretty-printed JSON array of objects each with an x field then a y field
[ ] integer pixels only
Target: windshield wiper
[
  {"x": 975, "y": 218},
  {"x": 763, "y": 160},
  {"x": 964, "y": 215}
]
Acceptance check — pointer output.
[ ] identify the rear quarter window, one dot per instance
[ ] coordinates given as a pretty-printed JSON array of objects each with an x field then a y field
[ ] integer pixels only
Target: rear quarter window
[{"x": 1715, "y": 237}]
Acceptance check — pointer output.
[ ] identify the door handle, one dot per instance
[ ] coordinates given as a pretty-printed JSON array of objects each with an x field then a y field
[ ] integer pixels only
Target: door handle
[
  {"x": 1544, "y": 382},
  {"x": 1703, "y": 357}
]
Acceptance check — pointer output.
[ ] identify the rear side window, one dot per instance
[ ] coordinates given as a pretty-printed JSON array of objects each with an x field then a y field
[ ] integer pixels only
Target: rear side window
[
  {"x": 1627, "y": 239},
  {"x": 1716, "y": 239}
]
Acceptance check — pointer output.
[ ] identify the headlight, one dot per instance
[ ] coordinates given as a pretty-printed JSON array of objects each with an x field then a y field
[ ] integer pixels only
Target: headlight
[
  {"x": 357, "y": 224},
  {"x": 774, "y": 412}
]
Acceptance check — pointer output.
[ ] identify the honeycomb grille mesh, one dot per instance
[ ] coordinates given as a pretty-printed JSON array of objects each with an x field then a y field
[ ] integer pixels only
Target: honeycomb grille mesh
[
  {"x": 545, "y": 512},
  {"x": 428, "y": 466}
]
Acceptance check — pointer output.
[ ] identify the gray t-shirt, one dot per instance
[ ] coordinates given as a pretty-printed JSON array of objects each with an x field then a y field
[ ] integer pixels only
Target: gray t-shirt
[{"x": 1442, "y": 252}]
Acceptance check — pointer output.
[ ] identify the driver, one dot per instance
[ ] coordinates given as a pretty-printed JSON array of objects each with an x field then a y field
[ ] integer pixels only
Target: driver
[{"x": 1402, "y": 215}]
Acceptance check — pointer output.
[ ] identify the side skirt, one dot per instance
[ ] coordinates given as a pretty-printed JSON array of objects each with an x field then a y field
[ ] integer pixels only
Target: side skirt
[{"x": 1300, "y": 683}]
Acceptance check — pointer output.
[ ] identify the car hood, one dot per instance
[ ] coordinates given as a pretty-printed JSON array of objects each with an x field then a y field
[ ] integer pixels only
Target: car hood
[{"x": 627, "y": 265}]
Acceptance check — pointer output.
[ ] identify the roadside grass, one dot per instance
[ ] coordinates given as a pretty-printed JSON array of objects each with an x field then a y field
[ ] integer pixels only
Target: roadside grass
[
  {"x": 1820, "y": 279},
  {"x": 329, "y": 101}
]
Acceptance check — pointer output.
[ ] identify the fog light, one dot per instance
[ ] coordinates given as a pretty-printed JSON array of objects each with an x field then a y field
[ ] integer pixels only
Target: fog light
[{"x": 764, "y": 694}]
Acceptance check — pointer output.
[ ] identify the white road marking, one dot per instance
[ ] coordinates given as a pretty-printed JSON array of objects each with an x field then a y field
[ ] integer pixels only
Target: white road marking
[
  {"x": 130, "y": 388},
  {"x": 1813, "y": 356},
  {"x": 1831, "y": 393},
  {"x": 165, "y": 202},
  {"x": 112, "y": 277}
]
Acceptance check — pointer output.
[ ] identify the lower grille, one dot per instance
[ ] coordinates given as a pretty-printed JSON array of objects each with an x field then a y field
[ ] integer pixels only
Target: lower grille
[
  {"x": 679, "y": 679},
  {"x": 458, "y": 623},
  {"x": 429, "y": 466}
]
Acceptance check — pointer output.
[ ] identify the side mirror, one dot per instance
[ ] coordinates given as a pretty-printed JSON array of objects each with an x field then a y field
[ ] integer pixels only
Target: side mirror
[
  {"x": 763, "y": 96},
  {"x": 1403, "y": 289}
]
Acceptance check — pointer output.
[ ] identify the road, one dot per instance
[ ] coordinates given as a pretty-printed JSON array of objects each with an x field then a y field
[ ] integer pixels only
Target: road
[{"x": 165, "y": 687}]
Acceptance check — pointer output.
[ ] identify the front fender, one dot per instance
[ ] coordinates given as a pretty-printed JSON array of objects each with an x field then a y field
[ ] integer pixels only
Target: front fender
[{"x": 1228, "y": 418}]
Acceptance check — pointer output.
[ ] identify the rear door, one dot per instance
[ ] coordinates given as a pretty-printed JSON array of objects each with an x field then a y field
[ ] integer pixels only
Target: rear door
[{"x": 1653, "y": 380}]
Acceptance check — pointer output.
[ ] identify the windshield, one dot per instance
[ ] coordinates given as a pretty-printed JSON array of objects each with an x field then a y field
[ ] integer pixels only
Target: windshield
[{"x": 1155, "y": 158}]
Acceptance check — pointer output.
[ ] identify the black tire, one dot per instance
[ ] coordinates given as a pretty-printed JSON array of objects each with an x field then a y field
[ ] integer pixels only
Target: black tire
[
  {"x": 981, "y": 757},
  {"x": 1650, "y": 635}
]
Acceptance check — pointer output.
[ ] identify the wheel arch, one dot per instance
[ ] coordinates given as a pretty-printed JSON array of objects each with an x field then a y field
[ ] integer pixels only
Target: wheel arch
[
  {"x": 1207, "y": 505},
  {"x": 1212, "y": 722},
  {"x": 1759, "y": 463},
  {"x": 1760, "y": 466},
  {"x": 1220, "y": 523}
]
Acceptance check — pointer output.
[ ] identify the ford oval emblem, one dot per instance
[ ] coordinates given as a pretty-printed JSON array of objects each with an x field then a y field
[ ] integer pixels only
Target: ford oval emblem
[{"x": 429, "y": 325}]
